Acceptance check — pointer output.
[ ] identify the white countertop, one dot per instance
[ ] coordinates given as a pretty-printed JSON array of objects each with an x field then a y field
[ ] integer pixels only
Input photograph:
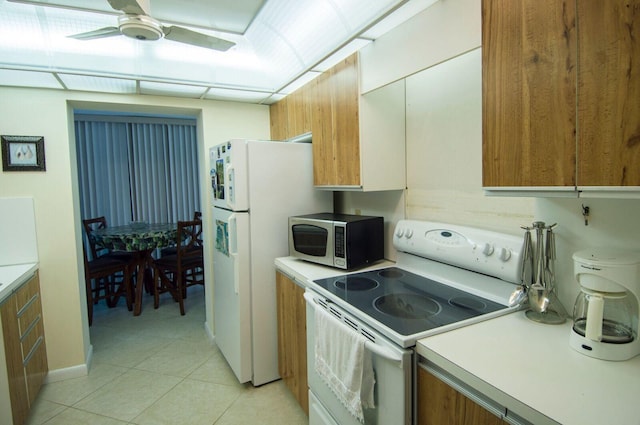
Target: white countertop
[
  {"x": 531, "y": 369},
  {"x": 13, "y": 276}
]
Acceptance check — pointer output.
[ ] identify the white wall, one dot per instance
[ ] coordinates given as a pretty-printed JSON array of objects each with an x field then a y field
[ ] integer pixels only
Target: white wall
[{"x": 49, "y": 113}]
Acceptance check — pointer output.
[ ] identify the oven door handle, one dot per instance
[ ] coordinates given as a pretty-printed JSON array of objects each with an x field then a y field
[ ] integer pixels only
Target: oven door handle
[{"x": 379, "y": 350}]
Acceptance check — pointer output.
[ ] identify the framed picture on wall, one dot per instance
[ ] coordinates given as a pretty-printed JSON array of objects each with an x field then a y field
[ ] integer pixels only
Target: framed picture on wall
[{"x": 22, "y": 153}]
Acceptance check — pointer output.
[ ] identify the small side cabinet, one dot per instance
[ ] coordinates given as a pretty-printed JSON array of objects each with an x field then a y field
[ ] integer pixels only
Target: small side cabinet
[
  {"x": 292, "y": 338},
  {"x": 25, "y": 351},
  {"x": 438, "y": 403}
]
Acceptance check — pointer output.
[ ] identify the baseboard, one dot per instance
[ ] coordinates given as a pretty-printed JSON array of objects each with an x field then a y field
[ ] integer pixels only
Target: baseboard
[{"x": 71, "y": 372}]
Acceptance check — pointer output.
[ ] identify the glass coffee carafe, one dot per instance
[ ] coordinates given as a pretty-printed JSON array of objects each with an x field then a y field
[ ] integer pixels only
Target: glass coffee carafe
[{"x": 605, "y": 316}]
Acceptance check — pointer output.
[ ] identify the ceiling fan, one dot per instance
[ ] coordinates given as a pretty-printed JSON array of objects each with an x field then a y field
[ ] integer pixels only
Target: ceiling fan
[{"x": 135, "y": 23}]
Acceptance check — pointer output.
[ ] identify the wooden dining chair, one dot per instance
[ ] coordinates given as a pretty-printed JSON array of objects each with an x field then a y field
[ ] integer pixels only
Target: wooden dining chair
[
  {"x": 92, "y": 224},
  {"x": 174, "y": 273},
  {"x": 107, "y": 278},
  {"x": 171, "y": 250}
]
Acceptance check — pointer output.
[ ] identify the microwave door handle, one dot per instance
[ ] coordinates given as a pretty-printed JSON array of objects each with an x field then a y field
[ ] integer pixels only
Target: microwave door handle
[
  {"x": 378, "y": 350},
  {"x": 233, "y": 251}
]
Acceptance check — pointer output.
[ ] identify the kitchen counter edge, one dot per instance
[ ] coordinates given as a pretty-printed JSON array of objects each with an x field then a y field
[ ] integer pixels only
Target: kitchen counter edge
[{"x": 12, "y": 276}]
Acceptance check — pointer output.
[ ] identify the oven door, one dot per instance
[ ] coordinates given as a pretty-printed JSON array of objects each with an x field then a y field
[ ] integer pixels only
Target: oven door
[{"x": 392, "y": 367}]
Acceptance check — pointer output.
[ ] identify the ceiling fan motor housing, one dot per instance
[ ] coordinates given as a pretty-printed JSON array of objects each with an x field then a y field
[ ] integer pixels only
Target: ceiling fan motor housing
[{"x": 140, "y": 27}]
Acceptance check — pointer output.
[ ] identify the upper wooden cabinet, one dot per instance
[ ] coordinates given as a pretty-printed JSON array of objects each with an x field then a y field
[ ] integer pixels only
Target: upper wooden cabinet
[
  {"x": 608, "y": 93},
  {"x": 561, "y": 81},
  {"x": 358, "y": 140}
]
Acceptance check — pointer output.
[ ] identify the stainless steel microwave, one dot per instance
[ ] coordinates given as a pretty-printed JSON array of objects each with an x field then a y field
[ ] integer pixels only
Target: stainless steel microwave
[{"x": 344, "y": 241}]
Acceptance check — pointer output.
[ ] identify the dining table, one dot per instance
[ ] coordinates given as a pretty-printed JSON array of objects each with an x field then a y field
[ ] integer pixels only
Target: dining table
[{"x": 140, "y": 239}]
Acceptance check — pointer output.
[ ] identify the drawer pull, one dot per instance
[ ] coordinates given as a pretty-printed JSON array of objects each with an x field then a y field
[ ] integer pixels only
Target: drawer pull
[
  {"x": 30, "y": 328},
  {"x": 28, "y": 304},
  {"x": 33, "y": 350}
]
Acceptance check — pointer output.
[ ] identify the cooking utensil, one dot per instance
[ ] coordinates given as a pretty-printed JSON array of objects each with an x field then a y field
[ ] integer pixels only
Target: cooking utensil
[
  {"x": 540, "y": 254},
  {"x": 517, "y": 296},
  {"x": 538, "y": 298},
  {"x": 527, "y": 258},
  {"x": 544, "y": 306}
]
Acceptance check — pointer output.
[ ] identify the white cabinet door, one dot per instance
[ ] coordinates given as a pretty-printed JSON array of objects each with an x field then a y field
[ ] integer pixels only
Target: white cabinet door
[{"x": 232, "y": 290}]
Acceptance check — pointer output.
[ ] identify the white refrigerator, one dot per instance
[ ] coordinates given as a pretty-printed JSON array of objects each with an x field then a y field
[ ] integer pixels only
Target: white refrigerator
[{"x": 256, "y": 186}]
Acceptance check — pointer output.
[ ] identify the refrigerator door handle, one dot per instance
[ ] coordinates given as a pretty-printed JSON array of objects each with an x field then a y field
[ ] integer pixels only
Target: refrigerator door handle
[
  {"x": 230, "y": 186},
  {"x": 233, "y": 251}
]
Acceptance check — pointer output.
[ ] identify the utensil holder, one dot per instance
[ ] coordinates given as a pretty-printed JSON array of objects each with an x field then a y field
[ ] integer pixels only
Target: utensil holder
[{"x": 538, "y": 275}]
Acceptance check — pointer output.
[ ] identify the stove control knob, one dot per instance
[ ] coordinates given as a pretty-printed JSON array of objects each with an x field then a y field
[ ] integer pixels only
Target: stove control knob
[
  {"x": 399, "y": 232},
  {"x": 488, "y": 249},
  {"x": 505, "y": 254},
  {"x": 408, "y": 233}
]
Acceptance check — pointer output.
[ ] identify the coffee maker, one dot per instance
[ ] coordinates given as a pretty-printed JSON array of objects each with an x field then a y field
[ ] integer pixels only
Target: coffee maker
[{"x": 605, "y": 314}]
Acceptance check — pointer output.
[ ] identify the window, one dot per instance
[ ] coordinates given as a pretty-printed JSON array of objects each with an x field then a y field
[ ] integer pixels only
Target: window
[{"x": 137, "y": 168}]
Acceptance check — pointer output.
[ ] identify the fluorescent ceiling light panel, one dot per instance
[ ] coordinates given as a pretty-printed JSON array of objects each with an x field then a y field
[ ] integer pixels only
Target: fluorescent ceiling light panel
[
  {"x": 98, "y": 84},
  {"x": 226, "y": 94},
  {"x": 18, "y": 78},
  {"x": 165, "y": 89}
]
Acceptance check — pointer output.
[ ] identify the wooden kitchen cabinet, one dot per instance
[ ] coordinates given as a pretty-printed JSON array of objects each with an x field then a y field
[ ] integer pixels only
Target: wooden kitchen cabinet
[
  {"x": 291, "y": 116},
  {"x": 24, "y": 347},
  {"x": 561, "y": 81},
  {"x": 440, "y": 404},
  {"x": 358, "y": 140},
  {"x": 292, "y": 338},
  {"x": 608, "y": 93}
]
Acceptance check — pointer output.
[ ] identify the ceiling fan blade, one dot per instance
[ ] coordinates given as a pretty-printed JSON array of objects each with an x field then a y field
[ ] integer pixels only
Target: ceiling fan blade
[
  {"x": 99, "y": 33},
  {"x": 127, "y": 6},
  {"x": 187, "y": 36}
]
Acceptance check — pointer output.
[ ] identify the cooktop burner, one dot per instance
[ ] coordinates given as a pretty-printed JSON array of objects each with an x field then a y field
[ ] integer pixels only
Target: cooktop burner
[
  {"x": 355, "y": 283},
  {"x": 406, "y": 302}
]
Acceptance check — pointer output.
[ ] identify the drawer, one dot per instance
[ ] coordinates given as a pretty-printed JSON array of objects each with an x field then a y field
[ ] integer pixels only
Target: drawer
[
  {"x": 36, "y": 369},
  {"x": 31, "y": 337},
  {"x": 30, "y": 312},
  {"x": 26, "y": 292}
]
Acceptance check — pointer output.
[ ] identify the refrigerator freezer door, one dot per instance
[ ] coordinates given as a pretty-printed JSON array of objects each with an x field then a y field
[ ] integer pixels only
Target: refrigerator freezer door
[
  {"x": 232, "y": 290},
  {"x": 228, "y": 172}
]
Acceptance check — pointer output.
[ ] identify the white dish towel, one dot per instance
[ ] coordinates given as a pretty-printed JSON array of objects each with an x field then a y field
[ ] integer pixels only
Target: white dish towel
[{"x": 343, "y": 363}]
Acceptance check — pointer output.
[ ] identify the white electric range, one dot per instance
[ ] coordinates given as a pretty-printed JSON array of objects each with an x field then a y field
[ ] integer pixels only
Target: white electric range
[{"x": 446, "y": 276}]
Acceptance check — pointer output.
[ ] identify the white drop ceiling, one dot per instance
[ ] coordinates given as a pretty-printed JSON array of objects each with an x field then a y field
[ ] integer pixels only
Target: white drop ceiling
[{"x": 280, "y": 45}]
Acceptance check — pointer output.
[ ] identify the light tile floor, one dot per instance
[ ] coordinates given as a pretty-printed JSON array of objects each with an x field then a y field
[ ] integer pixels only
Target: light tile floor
[{"x": 160, "y": 368}]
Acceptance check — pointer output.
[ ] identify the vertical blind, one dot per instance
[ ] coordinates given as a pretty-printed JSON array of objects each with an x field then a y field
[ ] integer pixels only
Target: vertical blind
[{"x": 137, "y": 168}]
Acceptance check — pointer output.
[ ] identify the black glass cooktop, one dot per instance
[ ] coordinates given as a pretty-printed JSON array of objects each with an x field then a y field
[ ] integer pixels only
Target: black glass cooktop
[{"x": 406, "y": 302}]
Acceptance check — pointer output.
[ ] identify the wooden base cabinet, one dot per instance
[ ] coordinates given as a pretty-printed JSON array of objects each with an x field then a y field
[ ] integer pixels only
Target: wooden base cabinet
[
  {"x": 25, "y": 351},
  {"x": 292, "y": 338},
  {"x": 560, "y": 90},
  {"x": 440, "y": 404}
]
